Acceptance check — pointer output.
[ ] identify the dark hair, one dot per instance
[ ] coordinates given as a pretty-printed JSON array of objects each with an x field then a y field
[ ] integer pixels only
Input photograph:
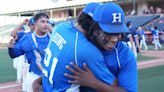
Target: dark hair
[
  {"x": 89, "y": 25},
  {"x": 39, "y": 15},
  {"x": 94, "y": 28},
  {"x": 96, "y": 32},
  {"x": 92, "y": 34},
  {"x": 53, "y": 25},
  {"x": 155, "y": 27},
  {"x": 85, "y": 21}
]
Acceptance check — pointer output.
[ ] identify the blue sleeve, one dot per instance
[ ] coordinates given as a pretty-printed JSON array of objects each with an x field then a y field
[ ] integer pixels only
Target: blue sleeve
[
  {"x": 97, "y": 65},
  {"x": 20, "y": 35},
  {"x": 101, "y": 71},
  {"x": 135, "y": 33},
  {"x": 95, "y": 62},
  {"x": 14, "y": 52},
  {"x": 11, "y": 53},
  {"x": 128, "y": 75}
]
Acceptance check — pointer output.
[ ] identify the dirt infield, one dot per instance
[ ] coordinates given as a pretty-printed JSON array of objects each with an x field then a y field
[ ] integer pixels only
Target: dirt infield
[
  {"x": 14, "y": 87},
  {"x": 154, "y": 62},
  {"x": 10, "y": 87}
]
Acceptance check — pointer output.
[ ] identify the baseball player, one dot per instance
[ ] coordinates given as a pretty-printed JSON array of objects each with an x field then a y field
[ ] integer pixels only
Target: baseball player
[
  {"x": 135, "y": 43},
  {"x": 119, "y": 58},
  {"x": 31, "y": 25},
  {"x": 68, "y": 43},
  {"x": 33, "y": 45},
  {"x": 156, "y": 38},
  {"x": 19, "y": 62},
  {"x": 143, "y": 38}
]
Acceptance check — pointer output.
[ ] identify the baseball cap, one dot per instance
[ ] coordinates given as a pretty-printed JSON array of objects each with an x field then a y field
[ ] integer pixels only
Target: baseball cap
[
  {"x": 110, "y": 18},
  {"x": 31, "y": 21},
  {"x": 51, "y": 22},
  {"x": 90, "y": 8}
]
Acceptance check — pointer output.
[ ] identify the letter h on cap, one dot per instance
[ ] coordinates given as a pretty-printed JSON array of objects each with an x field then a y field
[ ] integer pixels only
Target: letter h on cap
[{"x": 116, "y": 17}]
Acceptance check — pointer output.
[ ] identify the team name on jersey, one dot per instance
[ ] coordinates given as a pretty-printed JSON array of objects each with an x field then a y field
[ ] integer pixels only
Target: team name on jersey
[{"x": 59, "y": 40}]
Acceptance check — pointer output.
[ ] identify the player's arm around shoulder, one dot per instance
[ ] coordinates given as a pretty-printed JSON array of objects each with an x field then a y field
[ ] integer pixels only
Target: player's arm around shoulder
[
  {"x": 86, "y": 78},
  {"x": 95, "y": 61}
]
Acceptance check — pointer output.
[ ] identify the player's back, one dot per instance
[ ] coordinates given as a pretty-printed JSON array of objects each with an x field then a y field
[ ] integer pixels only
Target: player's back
[{"x": 67, "y": 45}]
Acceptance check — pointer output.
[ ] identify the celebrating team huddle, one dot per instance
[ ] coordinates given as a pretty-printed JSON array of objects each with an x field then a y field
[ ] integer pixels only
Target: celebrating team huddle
[{"x": 84, "y": 56}]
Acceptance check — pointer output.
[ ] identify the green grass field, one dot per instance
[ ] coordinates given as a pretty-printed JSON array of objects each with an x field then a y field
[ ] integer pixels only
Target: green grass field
[
  {"x": 7, "y": 72},
  {"x": 150, "y": 79},
  {"x": 141, "y": 57}
]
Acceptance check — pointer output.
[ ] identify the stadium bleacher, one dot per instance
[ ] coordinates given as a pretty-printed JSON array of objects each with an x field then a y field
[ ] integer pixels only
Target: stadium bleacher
[
  {"x": 159, "y": 22},
  {"x": 139, "y": 21},
  {"x": 145, "y": 21}
]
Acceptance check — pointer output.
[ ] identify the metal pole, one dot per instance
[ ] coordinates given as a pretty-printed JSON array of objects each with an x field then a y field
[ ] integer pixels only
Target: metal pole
[{"x": 134, "y": 5}]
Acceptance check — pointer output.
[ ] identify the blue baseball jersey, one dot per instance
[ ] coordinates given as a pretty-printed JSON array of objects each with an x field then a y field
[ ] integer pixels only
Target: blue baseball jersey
[
  {"x": 66, "y": 45},
  {"x": 141, "y": 33},
  {"x": 122, "y": 63},
  {"x": 126, "y": 36},
  {"x": 20, "y": 35},
  {"x": 155, "y": 33},
  {"x": 133, "y": 33},
  {"x": 27, "y": 46}
]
